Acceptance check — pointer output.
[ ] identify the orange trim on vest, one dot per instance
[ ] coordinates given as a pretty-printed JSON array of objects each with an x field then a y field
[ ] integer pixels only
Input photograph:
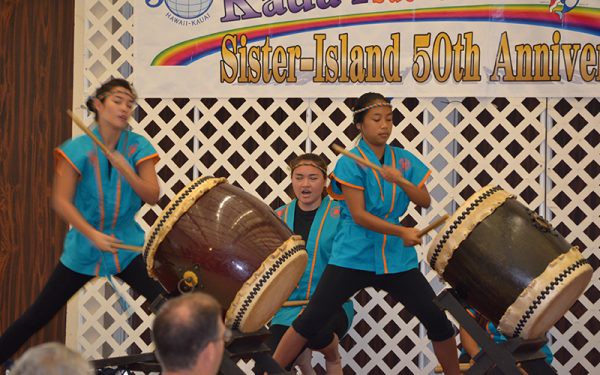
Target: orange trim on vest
[
  {"x": 385, "y": 268},
  {"x": 285, "y": 214},
  {"x": 117, "y": 264},
  {"x": 346, "y": 183},
  {"x": 420, "y": 185},
  {"x": 374, "y": 173},
  {"x": 117, "y": 203},
  {"x": 58, "y": 153},
  {"x": 339, "y": 197},
  {"x": 148, "y": 158},
  {"x": 96, "y": 165}
]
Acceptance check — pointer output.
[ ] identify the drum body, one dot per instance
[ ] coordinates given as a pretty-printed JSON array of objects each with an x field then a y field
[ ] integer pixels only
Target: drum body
[
  {"x": 216, "y": 238},
  {"x": 508, "y": 262}
]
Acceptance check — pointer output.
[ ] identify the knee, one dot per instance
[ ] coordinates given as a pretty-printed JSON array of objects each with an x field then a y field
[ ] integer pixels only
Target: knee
[
  {"x": 306, "y": 328},
  {"x": 441, "y": 330}
]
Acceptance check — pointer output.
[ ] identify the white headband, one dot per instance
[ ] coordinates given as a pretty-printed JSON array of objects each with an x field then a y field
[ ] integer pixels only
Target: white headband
[
  {"x": 380, "y": 104},
  {"x": 308, "y": 164}
]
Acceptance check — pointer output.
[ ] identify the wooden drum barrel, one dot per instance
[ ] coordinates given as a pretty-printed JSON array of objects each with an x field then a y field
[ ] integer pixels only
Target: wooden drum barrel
[
  {"x": 216, "y": 238},
  {"x": 509, "y": 263}
]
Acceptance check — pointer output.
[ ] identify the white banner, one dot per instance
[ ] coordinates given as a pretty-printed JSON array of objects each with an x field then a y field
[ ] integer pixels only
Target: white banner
[{"x": 330, "y": 48}]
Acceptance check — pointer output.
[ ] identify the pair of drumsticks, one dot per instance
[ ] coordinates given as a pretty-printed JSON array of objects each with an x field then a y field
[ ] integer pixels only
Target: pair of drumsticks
[{"x": 335, "y": 147}]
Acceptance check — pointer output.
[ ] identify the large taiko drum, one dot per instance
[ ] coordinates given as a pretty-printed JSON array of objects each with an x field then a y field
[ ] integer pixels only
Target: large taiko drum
[
  {"x": 218, "y": 239},
  {"x": 509, "y": 263}
]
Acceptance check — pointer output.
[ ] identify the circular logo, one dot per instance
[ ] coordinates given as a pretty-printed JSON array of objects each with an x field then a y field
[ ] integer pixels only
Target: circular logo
[{"x": 188, "y": 9}]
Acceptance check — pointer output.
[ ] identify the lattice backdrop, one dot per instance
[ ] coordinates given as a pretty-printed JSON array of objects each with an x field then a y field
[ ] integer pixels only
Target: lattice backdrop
[{"x": 544, "y": 150}]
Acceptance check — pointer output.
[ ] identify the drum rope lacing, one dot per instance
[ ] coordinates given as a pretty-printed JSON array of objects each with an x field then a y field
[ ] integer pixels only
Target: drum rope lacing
[
  {"x": 459, "y": 220},
  {"x": 165, "y": 217},
  {"x": 258, "y": 286}
]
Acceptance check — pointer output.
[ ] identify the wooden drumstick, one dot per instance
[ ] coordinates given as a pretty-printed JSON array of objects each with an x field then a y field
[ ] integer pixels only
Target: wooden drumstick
[
  {"x": 87, "y": 131},
  {"x": 295, "y": 303},
  {"x": 359, "y": 160},
  {"x": 138, "y": 249},
  {"x": 436, "y": 223},
  {"x": 463, "y": 367}
]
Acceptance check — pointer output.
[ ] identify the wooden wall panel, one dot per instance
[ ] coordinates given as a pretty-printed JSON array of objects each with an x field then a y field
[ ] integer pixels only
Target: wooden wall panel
[{"x": 36, "y": 80}]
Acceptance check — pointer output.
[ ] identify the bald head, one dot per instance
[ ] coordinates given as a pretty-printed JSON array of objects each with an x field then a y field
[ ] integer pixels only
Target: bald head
[{"x": 183, "y": 328}]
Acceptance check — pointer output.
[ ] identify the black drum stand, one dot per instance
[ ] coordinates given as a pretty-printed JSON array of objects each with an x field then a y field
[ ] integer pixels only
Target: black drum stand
[
  {"x": 242, "y": 346},
  {"x": 496, "y": 358}
]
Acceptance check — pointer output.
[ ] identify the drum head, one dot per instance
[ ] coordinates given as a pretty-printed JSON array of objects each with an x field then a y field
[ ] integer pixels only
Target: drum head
[
  {"x": 547, "y": 297},
  {"x": 557, "y": 304},
  {"x": 264, "y": 293}
]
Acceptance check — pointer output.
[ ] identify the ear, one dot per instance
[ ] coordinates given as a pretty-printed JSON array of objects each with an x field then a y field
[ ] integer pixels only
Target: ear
[{"x": 97, "y": 103}]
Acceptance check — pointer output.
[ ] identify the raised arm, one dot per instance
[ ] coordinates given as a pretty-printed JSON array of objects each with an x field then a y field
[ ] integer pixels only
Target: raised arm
[{"x": 144, "y": 182}]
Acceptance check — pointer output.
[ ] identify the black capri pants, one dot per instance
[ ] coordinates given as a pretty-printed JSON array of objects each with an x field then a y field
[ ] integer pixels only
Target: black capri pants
[
  {"x": 60, "y": 287},
  {"x": 410, "y": 288},
  {"x": 337, "y": 324}
]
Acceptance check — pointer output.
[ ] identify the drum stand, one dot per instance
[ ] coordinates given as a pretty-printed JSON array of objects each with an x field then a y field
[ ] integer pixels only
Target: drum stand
[
  {"x": 496, "y": 358},
  {"x": 242, "y": 346}
]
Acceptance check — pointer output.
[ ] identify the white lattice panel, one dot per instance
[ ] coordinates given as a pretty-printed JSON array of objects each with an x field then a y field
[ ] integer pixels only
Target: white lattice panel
[
  {"x": 250, "y": 142},
  {"x": 546, "y": 152},
  {"x": 574, "y": 205}
]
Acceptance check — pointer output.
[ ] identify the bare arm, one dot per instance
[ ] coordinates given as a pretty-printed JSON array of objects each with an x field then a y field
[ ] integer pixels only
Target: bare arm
[
  {"x": 355, "y": 200},
  {"x": 63, "y": 191},
  {"x": 418, "y": 195},
  {"x": 144, "y": 182}
]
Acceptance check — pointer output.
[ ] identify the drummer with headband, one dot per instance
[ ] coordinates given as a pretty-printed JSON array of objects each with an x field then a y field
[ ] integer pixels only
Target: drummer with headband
[
  {"x": 98, "y": 194},
  {"x": 370, "y": 248},
  {"x": 314, "y": 216}
]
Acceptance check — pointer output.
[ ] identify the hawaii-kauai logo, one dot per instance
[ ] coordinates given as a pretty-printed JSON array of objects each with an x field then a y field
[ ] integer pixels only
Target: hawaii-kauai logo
[
  {"x": 562, "y": 7},
  {"x": 184, "y": 12}
]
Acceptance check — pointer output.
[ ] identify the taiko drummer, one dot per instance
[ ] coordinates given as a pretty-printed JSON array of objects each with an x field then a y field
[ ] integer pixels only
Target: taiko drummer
[
  {"x": 98, "y": 193},
  {"x": 371, "y": 249}
]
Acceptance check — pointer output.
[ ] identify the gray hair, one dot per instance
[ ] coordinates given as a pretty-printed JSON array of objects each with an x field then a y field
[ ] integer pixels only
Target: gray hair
[
  {"x": 51, "y": 359},
  {"x": 183, "y": 327}
]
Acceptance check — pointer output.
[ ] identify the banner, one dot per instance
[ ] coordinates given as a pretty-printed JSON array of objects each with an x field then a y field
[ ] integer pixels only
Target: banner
[{"x": 335, "y": 48}]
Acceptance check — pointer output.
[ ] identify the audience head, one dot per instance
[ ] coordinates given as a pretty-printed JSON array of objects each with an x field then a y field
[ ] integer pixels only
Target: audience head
[
  {"x": 51, "y": 359},
  {"x": 189, "y": 334}
]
